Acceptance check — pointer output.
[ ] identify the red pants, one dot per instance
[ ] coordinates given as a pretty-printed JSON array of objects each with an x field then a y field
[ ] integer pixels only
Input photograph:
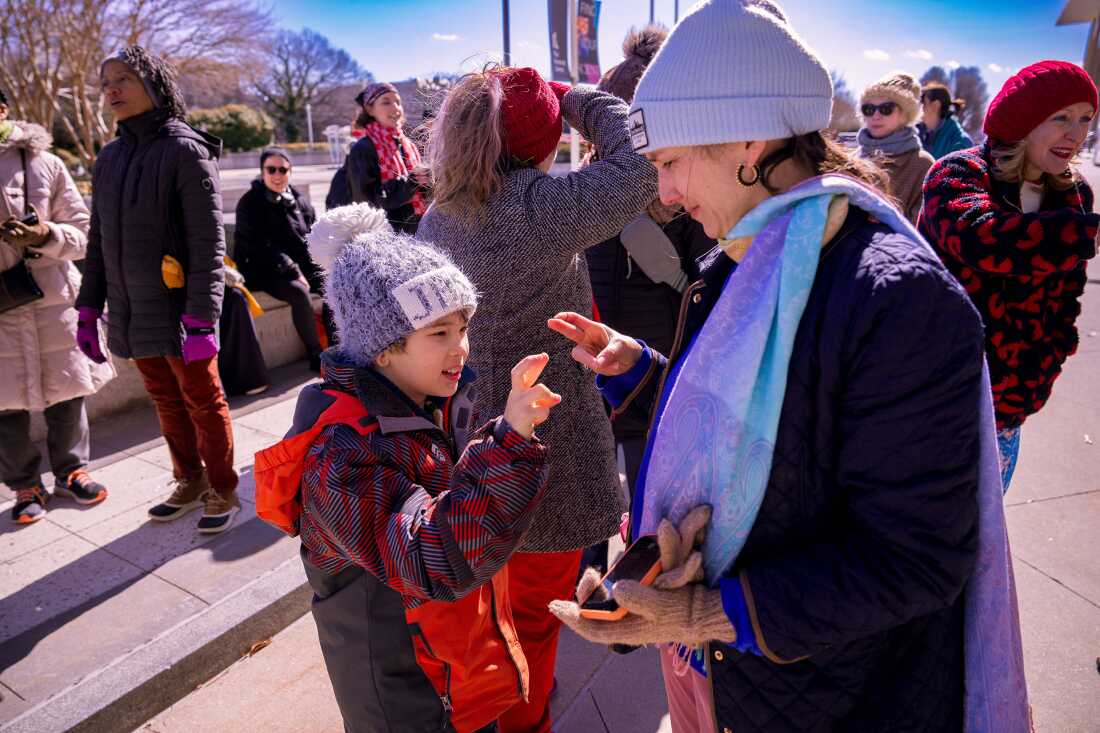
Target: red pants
[
  {"x": 535, "y": 579},
  {"x": 194, "y": 417}
]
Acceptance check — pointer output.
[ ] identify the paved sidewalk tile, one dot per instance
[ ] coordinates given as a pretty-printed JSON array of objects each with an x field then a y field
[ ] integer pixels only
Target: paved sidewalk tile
[
  {"x": 275, "y": 419},
  {"x": 578, "y": 662},
  {"x": 283, "y": 687},
  {"x": 1059, "y": 538},
  {"x": 17, "y": 540},
  {"x": 149, "y": 545},
  {"x": 630, "y": 694},
  {"x": 54, "y": 579},
  {"x": 230, "y": 561},
  {"x": 129, "y": 482},
  {"x": 86, "y": 637},
  {"x": 246, "y": 441},
  {"x": 1061, "y": 634}
]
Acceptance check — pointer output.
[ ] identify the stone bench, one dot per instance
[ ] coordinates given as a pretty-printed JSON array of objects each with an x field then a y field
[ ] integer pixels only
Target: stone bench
[{"x": 278, "y": 341}]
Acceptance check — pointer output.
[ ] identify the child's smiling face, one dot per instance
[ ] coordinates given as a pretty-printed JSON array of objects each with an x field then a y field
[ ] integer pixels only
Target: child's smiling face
[{"x": 431, "y": 361}]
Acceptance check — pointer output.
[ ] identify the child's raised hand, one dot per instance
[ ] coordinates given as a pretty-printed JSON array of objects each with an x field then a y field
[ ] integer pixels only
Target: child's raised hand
[{"x": 529, "y": 403}]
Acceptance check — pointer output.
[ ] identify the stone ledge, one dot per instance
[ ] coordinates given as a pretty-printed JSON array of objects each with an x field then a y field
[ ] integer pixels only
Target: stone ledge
[{"x": 138, "y": 685}]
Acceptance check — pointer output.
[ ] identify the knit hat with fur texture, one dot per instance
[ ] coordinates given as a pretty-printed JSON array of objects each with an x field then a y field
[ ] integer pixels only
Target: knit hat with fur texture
[
  {"x": 901, "y": 89},
  {"x": 639, "y": 48},
  {"x": 384, "y": 286},
  {"x": 731, "y": 71},
  {"x": 339, "y": 227}
]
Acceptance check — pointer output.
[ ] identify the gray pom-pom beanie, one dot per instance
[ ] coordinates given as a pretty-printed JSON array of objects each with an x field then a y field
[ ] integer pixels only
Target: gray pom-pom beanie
[
  {"x": 730, "y": 71},
  {"x": 384, "y": 286}
]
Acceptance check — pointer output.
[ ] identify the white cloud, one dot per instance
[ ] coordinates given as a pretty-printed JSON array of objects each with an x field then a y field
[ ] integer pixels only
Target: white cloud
[
  {"x": 952, "y": 64},
  {"x": 921, "y": 53},
  {"x": 876, "y": 54},
  {"x": 446, "y": 37},
  {"x": 995, "y": 68}
]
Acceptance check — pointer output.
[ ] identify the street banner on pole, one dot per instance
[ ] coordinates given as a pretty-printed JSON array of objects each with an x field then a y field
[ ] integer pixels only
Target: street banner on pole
[
  {"x": 558, "y": 13},
  {"x": 588, "y": 16}
]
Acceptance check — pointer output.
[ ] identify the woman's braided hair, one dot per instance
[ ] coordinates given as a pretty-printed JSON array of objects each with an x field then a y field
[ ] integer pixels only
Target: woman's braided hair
[{"x": 161, "y": 76}]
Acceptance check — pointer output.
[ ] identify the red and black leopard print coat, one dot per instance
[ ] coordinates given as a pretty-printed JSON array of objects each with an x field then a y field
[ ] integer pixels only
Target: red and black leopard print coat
[{"x": 1024, "y": 272}]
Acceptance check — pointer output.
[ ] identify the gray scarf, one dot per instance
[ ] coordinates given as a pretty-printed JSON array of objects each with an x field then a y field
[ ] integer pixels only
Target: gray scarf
[{"x": 900, "y": 141}]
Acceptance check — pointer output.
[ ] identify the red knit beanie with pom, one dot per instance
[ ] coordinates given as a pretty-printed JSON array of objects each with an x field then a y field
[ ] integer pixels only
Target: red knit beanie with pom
[
  {"x": 531, "y": 114},
  {"x": 1033, "y": 94}
]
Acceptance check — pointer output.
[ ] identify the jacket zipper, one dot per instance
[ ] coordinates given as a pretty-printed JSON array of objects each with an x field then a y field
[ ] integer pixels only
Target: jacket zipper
[
  {"x": 137, "y": 185},
  {"x": 496, "y": 620},
  {"x": 676, "y": 344},
  {"x": 121, "y": 208},
  {"x": 445, "y": 697}
]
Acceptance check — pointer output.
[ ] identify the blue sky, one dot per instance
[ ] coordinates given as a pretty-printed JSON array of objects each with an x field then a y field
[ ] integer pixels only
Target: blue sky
[{"x": 864, "y": 39}]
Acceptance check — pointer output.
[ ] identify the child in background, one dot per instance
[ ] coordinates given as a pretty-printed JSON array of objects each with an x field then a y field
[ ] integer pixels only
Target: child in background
[{"x": 405, "y": 535}]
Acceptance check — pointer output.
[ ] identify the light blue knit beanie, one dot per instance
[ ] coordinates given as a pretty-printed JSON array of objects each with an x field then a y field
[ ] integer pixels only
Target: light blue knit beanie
[
  {"x": 384, "y": 286},
  {"x": 731, "y": 71}
]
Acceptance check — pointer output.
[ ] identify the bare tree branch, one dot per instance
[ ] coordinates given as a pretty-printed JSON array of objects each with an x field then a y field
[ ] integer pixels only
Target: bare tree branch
[{"x": 302, "y": 68}]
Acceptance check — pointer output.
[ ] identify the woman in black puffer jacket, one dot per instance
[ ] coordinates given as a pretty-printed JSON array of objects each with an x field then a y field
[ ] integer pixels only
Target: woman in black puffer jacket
[{"x": 273, "y": 220}]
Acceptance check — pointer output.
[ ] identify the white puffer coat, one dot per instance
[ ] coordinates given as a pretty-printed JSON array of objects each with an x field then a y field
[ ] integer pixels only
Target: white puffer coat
[{"x": 40, "y": 363}]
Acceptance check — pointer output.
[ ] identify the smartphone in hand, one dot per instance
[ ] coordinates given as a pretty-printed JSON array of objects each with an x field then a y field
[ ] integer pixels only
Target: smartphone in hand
[{"x": 640, "y": 562}]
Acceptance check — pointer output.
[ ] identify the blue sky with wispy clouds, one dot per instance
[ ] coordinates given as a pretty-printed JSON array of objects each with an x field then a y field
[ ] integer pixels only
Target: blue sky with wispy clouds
[{"x": 863, "y": 39}]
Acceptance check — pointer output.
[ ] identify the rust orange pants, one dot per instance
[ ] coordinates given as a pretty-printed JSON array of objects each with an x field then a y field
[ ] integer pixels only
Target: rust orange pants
[
  {"x": 535, "y": 579},
  {"x": 194, "y": 417}
]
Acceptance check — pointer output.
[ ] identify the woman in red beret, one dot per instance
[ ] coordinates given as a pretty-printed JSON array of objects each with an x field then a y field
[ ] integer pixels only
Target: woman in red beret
[
  {"x": 520, "y": 235},
  {"x": 1013, "y": 221}
]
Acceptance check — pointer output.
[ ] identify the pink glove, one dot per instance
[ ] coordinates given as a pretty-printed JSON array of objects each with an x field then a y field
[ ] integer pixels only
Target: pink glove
[
  {"x": 87, "y": 334},
  {"x": 559, "y": 89},
  {"x": 200, "y": 342}
]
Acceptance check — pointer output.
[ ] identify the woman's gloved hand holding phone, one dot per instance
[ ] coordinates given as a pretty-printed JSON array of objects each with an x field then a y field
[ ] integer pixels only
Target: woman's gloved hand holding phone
[{"x": 676, "y": 607}]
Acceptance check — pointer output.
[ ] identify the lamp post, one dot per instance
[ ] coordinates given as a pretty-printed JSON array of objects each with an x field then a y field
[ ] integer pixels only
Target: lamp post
[
  {"x": 507, "y": 36},
  {"x": 309, "y": 123},
  {"x": 574, "y": 54},
  {"x": 651, "y": 16}
]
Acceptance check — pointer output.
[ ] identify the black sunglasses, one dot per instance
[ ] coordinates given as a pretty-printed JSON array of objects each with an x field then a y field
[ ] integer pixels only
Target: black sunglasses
[
  {"x": 272, "y": 170},
  {"x": 886, "y": 108}
]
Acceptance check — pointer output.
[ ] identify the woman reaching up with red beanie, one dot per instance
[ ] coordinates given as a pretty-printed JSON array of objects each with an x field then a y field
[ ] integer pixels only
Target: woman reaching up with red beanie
[
  {"x": 1013, "y": 221},
  {"x": 519, "y": 234}
]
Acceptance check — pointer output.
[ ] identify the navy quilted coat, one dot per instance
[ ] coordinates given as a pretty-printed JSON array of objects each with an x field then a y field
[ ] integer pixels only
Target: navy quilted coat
[{"x": 855, "y": 569}]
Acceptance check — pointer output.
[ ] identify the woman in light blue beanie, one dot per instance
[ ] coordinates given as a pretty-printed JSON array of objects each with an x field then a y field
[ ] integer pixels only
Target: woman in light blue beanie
[{"x": 822, "y": 419}]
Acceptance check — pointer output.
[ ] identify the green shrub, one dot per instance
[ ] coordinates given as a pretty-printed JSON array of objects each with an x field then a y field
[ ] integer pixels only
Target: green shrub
[{"x": 238, "y": 126}]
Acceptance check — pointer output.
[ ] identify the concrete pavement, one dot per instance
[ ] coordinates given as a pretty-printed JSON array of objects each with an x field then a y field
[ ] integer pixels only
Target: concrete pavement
[{"x": 88, "y": 585}]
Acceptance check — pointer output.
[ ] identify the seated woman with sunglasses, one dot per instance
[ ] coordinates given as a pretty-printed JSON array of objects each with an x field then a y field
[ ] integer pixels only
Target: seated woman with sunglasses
[
  {"x": 273, "y": 220},
  {"x": 889, "y": 138}
]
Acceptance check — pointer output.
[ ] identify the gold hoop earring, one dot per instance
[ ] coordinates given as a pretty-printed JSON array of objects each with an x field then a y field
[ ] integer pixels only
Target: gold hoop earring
[{"x": 741, "y": 176}]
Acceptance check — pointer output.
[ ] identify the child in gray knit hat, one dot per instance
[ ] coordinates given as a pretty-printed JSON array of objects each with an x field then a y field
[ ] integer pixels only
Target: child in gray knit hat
[
  {"x": 405, "y": 503},
  {"x": 402, "y": 309}
]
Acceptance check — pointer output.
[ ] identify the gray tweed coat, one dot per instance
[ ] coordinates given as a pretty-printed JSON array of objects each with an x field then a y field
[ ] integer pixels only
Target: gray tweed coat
[{"x": 528, "y": 263}]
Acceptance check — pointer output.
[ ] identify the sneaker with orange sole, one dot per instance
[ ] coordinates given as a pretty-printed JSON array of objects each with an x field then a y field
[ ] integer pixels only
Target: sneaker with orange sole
[
  {"x": 81, "y": 488},
  {"x": 30, "y": 505}
]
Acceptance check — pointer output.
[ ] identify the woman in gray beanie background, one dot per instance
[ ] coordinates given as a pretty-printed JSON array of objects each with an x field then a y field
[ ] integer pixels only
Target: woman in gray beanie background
[{"x": 840, "y": 606}]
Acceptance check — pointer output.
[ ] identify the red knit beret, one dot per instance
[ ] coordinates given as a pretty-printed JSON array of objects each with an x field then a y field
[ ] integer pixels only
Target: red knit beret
[
  {"x": 531, "y": 114},
  {"x": 1033, "y": 94}
]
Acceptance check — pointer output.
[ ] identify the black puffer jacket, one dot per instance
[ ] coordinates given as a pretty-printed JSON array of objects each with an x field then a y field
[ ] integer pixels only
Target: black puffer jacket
[
  {"x": 854, "y": 570},
  {"x": 270, "y": 246},
  {"x": 631, "y": 303},
  {"x": 155, "y": 192},
  {"x": 365, "y": 182}
]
